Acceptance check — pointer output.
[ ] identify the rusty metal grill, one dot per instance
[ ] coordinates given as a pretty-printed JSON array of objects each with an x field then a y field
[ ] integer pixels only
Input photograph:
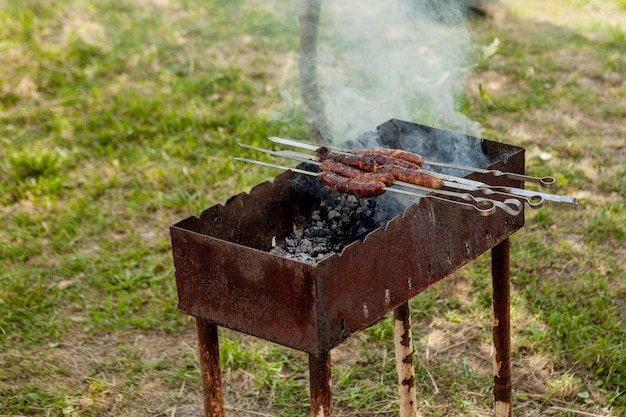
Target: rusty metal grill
[{"x": 227, "y": 277}]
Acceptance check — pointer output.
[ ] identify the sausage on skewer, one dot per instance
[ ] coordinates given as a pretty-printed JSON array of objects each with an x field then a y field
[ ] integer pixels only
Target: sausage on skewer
[
  {"x": 363, "y": 161},
  {"x": 366, "y": 162},
  {"x": 350, "y": 172},
  {"x": 388, "y": 160},
  {"x": 394, "y": 153},
  {"x": 412, "y": 176},
  {"x": 359, "y": 188}
]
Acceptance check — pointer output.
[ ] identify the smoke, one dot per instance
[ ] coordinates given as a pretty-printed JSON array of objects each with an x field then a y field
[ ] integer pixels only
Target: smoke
[
  {"x": 384, "y": 64},
  {"x": 403, "y": 59}
]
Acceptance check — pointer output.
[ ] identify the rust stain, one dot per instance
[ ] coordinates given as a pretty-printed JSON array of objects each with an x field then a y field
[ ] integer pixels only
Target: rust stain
[
  {"x": 409, "y": 383},
  {"x": 496, "y": 368},
  {"x": 502, "y": 409}
]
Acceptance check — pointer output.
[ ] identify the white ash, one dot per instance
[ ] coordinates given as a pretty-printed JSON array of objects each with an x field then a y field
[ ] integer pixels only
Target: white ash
[{"x": 340, "y": 220}]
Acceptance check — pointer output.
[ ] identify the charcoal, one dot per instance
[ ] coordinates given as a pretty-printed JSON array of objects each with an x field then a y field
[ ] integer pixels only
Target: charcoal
[{"x": 339, "y": 220}]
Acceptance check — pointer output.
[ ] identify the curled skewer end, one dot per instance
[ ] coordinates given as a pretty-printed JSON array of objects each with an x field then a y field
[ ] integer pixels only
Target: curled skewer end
[
  {"x": 535, "y": 201},
  {"x": 485, "y": 207},
  {"x": 513, "y": 206},
  {"x": 547, "y": 182}
]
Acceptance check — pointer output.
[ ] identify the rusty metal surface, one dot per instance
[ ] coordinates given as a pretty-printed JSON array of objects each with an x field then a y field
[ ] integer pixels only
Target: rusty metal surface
[
  {"x": 320, "y": 383},
  {"x": 213, "y": 397},
  {"x": 415, "y": 250},
  {"x": 500, "y": 261},
  {"x": 245, "y": 289},
  {"x": 403, "y": 341},
  {"x": 226, "y": 276}
]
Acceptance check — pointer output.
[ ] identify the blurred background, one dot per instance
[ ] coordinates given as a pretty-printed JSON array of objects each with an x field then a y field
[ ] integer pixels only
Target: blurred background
[{"x": 117, "y": 119}]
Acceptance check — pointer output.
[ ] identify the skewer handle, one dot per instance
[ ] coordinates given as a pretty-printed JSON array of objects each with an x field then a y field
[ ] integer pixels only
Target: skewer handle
[
  {"x": 534, "y": 201},
  {"x": 484, "y": 207},
  {"x": 543, "y": 181},
  {"x": 535, "y": 196},
  {"x": 511, "y": 206}
]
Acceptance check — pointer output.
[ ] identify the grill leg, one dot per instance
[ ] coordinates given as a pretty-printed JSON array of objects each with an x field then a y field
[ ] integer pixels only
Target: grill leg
[
  {"x": 208, "y": 345},
  {"x": 501, "y": 280},
  {"x": 404, "y": 360},
  {"x": 320, "y": 385}
]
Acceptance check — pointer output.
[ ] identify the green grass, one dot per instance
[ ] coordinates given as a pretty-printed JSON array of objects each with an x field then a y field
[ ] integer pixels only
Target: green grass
[
  {"x": 118, "y": 119},
  {"x": 576, "y": 291}
]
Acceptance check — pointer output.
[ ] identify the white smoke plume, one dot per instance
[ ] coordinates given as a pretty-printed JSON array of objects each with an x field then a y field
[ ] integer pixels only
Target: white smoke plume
[{"x": 404, "y": 59}]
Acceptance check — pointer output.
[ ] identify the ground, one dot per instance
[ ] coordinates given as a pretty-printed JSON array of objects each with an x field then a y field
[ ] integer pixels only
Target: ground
[{"x": 119, "y": 120}]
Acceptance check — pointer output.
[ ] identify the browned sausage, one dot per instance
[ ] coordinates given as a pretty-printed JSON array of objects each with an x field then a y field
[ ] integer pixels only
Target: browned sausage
[
  {"x": 322, "y": 153},
  {"x": 394, "y": 153},
  {"x": 412, "y": 176},
  {"x": 351, "y": 172},
  {"x": 353, "y": 186},
  {"x": 364, "y": 163},
  {"x": 388, "y": 160},
  {"x": 401, "y": 170}
]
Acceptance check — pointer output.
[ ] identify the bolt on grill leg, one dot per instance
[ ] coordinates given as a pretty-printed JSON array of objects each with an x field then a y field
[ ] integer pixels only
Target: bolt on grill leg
[
  {"x": 320, "y": 385},
  {"x": 501, "y": 280},
  {"x": 404, "y": 360},
  {"x": 208, "y": 345}
]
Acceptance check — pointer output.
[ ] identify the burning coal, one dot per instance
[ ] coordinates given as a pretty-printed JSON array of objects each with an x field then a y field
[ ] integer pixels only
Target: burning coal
[{"x": 340, "y": 220}]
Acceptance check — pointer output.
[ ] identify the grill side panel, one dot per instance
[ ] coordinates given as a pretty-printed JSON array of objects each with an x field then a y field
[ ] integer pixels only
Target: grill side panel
[
  {"x": 392, "y": 266},
  {"x": 245, "y": 289}
]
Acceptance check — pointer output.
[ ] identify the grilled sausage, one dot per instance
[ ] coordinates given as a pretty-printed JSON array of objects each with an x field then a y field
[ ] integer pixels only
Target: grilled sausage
[
  {"x": 388, "y": 160},
  {"x": 394, "y": 153},
  {"x": 402, "y": 170},
  {"x": 351, "y": 172},
  {"x": 323, "y": 152},
  {"x": 364, "y": 163},
  {"x": 359, "y": 188},
  {"x": 363, "y": 160},
  {"x": 412, "y": 176}
]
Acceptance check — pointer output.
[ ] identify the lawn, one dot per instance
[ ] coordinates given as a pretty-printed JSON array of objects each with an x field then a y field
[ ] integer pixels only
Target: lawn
[{"x": 118, "y": 119}]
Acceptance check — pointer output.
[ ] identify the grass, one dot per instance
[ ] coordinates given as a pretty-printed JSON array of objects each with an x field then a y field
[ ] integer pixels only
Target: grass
[{"x": 118, "y": 119}]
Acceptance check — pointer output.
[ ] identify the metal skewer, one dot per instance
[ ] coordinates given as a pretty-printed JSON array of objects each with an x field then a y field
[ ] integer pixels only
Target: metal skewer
[
  {"x": 484, "y": 206},
  {"x": 448, "y": 180},
  {"x": 511, "y": 205},
  {"x": 535, "y": 196},
  {"x": 544, "y": 181}
]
